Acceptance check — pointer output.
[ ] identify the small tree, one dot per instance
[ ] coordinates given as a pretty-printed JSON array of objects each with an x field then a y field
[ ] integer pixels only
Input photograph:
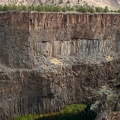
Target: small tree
[
  {"x": 106, "y": 9},
  {"x": 112, "y": 11},
  {"x": 1, "y": 7},
  {"x": 38, "y": 8},
  {"x": 14, "y": 7},
  {"x": 23, "y": 7},
  {"x": 64, "y": 9},
  {"x": 5, "y": 8},
  {"x": 91, "y": 9},
  {"x": 69, "y": 8},
  {"x": 99, "y": 9},
  {"x": 118, "y": 11}
]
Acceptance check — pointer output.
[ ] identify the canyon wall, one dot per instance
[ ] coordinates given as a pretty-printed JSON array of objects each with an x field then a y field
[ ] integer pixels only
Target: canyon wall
[{"x": 48, "y": 60}]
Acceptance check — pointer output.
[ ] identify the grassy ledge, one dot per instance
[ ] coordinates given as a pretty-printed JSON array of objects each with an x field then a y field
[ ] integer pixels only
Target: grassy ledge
[{"x": 67, "y": 111}]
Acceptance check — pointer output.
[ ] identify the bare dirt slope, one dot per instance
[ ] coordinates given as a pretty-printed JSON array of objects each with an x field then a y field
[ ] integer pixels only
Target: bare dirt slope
[{"x": 113, "y": 4}]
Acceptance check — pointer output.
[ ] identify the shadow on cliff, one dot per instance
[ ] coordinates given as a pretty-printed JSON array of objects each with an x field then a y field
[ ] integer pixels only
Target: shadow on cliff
[{"x": 84, "y": 115}]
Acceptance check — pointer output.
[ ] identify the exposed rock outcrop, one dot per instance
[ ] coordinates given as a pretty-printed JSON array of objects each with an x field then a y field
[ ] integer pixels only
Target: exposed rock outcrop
[{"x": 48, "y": 60}]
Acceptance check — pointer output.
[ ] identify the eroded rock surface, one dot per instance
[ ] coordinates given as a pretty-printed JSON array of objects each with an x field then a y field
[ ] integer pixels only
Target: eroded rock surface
[{"x": 48, "y": 60}]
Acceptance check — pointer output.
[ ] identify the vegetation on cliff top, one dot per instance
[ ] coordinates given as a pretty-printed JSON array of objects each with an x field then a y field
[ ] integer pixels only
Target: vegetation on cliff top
[{"x": 55, "y": 8}]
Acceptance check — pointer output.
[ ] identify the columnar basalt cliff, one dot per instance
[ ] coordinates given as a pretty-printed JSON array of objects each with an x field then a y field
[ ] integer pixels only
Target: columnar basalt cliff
[{"x": 48, "y": 60}]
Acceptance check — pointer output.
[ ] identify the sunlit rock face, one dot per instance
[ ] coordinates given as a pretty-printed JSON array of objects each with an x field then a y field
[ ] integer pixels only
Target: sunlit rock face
[{"x": 48, "y": 60}]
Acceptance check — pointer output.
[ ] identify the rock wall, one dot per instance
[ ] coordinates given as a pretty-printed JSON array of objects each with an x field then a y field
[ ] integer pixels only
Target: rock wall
[{"x": 48, "y": 60}]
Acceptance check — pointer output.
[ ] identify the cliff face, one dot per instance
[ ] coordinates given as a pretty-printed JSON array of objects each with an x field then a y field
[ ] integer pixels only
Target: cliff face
[
  {"x": 48, "y": 60},
  {"x": 28, "y": 36}
]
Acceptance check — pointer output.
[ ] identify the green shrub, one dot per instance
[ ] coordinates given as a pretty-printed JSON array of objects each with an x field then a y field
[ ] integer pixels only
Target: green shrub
[
  {"x": 106, "y": 9},
  {"x": 79, "y": 8},
  {"x": 27, "y": 117},
  {"x": 5, "y": 8},
  {"x": 67, "y": 110},
  {"x": 99, "y": 9},
  {"x": 24, "y": 8},
  {"x": 31, "y": 7},
  {"x": 42, "y": 8},
  {"x": 13, "y": 7},
  {"x": 64, "y": 9},
  {"x": 69, "y": 8},
  {"x": 82, "y": 9},
  {"x": 72, "y": 109},
  {"x": 1, "y": 7},
  {"x": 118, "y": 11},
  {"x": 91, "y": 10},
  {"x": 38, "y": 8},
  {"x": 112, "y": 11}
]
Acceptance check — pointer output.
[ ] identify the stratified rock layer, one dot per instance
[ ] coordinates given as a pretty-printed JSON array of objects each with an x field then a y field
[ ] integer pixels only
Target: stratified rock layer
[{"x": 48, "y": 60}]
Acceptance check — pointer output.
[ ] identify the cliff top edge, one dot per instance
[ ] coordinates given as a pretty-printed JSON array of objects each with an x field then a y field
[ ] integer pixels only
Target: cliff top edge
[{"x": 57, "y": 12}]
